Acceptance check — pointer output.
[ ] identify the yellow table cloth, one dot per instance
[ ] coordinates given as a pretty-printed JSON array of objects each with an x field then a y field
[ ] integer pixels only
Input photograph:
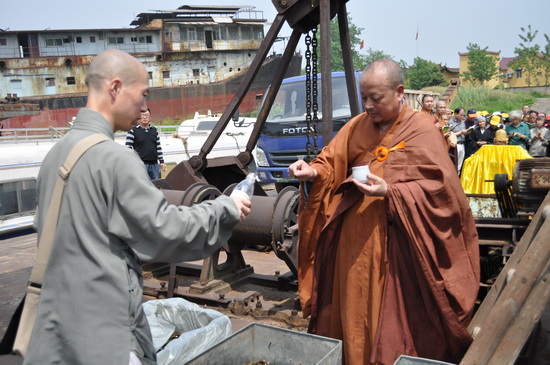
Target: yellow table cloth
[{"x": 485, "y": 163}]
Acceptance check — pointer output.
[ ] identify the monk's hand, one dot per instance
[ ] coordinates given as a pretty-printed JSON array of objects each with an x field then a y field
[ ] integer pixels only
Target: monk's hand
[
  {"x": 243, "y": 205},
  {"x": 302, "y": 171},
  {"x": 376, "y": 186}
]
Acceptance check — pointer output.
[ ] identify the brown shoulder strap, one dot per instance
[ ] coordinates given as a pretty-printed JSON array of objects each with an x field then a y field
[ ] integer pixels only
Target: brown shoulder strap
[{"x": 48, "y": 233}]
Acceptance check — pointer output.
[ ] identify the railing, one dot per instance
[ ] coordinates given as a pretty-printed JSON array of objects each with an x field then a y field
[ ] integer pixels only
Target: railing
[
  {"x": 25, "y": 135},
  {"x": 451, "y": 92},
  {"x": 51, "y": 134}
]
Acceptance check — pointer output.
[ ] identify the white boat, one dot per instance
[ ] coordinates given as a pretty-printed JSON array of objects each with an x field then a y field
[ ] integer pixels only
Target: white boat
[{"x": 22, "y": 150}]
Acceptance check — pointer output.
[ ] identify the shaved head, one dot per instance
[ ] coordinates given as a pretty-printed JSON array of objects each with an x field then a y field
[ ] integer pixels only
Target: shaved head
[
  {"x": 382, "y": 90},
  {"x": 118, "y": 85},
  {"x": 110, "y": 64},
  {"x": 389, "y": 68}
]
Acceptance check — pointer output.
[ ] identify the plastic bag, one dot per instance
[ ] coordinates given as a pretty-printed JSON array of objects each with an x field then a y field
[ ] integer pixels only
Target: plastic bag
[{"x": 199, "y": 328}]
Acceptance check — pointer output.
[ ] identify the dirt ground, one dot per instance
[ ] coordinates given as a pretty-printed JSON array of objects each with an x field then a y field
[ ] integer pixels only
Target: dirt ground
[{"x": 18, "y": 254}]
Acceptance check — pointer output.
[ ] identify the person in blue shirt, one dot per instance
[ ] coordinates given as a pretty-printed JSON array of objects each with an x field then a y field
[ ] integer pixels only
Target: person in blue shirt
[{"x": 517, "y": 131}]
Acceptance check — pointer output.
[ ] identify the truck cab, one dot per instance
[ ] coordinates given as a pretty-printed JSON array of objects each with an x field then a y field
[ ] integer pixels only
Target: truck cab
[{"x": 284, "y": 135}]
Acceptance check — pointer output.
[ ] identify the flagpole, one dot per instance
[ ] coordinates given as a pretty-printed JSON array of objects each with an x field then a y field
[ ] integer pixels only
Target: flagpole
[{"x": 417, "y": 24}]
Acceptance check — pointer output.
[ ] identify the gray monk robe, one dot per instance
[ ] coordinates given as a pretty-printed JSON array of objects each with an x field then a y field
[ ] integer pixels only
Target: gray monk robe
[{"x": 111, "y": 218}]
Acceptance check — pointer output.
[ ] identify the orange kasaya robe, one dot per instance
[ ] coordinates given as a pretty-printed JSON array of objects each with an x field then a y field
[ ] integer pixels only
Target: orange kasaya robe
[{"x": 396, "y": 275}]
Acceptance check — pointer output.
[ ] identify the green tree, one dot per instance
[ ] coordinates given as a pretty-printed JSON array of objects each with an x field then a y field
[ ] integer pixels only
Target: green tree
[
  {"x": 337, "y": 61},
  {"x": 423, "y": 73},
  {"x": 481, "y": 66},
  {"x": 528, "y": 59},
  {"x": 373, "y": 55}
]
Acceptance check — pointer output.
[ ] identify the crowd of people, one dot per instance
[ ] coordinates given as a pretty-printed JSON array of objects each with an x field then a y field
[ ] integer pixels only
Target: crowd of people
[{"x": 467, "y": 131}]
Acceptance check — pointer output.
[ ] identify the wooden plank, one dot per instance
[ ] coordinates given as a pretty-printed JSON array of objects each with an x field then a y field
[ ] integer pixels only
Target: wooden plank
[
  {"x": 515, "y": 259},
  {"x": 511, "y": 300},
  {"x": 517, "y": 334}
]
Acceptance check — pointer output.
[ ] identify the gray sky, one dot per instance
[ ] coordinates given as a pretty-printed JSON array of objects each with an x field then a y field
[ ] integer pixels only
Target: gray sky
[{"x": 444, "y": 28}]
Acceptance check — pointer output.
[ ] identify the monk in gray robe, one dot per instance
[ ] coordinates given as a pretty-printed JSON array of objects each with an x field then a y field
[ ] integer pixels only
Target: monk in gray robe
[{"x": 112, "y": 218}]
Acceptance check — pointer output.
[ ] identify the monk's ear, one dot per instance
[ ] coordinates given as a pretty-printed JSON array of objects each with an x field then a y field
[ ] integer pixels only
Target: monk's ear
[
  {"x": 400, "y": 92},
  {"x": 114, "y": 87}
]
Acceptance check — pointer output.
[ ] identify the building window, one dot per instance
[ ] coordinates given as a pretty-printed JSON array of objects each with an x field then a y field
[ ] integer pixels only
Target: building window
[
  {"x": 258, "y": 32},
  {"x": 245, "y": 33},
  {"x": 183, "y": 34},
  {"x": 165, "y": 74},
  {"x": 133, "y": 39},
  {"x": 233, "y": 33},
  {"x": 67, "y": 40},
  {"x": 53, "y": 42},
  {"x": 518, "y": 72},
  {"x": 150, "y": 75},
  {"x": 115, "y": 40},
  {"x": 78, "y": 39},
  {"x": 223, "y": 33},
  {"x": 3, "y": 42},
  {"x": 50, "y": 81},
  {"x": 191, "y": 34},
  {"x": 196, "y": 72},
  {"x": 92, "y": 39},
  {"x": 145, "y": 39},
  {"x": 200, "y": 33},
  {"x": 71, "y": 80},
  {"x": 215, "y": 33}
]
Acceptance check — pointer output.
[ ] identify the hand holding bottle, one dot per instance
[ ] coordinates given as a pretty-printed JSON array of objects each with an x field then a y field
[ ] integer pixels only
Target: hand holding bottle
[{"x": 242, "y": 194}]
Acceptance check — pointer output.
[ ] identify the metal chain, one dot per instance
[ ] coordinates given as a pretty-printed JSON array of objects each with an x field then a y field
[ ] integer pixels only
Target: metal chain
[
  {"x": 308, "y": 96},
  {"x": 315, "y": 94}
]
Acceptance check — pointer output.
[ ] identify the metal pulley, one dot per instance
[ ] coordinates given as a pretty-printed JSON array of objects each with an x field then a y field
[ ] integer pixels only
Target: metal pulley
[{"x": 270, "y": 223}]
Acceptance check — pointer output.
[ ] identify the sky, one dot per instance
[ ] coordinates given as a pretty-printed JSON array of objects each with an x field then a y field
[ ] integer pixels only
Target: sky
[{"x": 444, "y": 28}]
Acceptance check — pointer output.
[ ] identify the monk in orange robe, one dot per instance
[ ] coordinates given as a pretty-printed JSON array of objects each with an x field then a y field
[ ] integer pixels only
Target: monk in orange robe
[{"x": 390, "y": 266}]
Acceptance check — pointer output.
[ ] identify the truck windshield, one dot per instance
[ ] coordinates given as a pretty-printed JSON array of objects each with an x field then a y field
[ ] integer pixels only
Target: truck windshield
[{"x": 290, "y": 102}]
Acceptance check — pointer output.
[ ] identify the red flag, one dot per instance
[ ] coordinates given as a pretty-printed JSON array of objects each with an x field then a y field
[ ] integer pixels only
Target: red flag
[{"x": 362, "y": 44}]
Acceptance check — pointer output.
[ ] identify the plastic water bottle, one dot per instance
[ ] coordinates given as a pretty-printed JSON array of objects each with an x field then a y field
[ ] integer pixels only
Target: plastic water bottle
[{"x": 245, "y": 188}]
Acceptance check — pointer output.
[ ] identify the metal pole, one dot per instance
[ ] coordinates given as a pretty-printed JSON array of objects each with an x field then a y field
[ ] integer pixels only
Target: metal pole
[
  {"x": 273, "y": 89},
  {"x": 200, "y": 162},
  {"x": 326, "y": 79},
  {"x": 348, "y": 59}
]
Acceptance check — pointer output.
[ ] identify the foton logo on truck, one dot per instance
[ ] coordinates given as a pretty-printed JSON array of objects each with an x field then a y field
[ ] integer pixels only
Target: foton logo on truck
[{"x": 299, "y": 130}]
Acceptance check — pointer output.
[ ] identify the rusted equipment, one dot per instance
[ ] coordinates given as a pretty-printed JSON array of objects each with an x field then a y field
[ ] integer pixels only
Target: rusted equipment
[
  {"x": 530, "y": 184},
  {"x": 273, "y": 220},
  {"x": 516, "y": 301},
  {"x": 518, "y": 199},
  {"x": 514, "y": 266},
  {"x": 196, "y": 193},
  {"x": 302, "y": 16}
]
